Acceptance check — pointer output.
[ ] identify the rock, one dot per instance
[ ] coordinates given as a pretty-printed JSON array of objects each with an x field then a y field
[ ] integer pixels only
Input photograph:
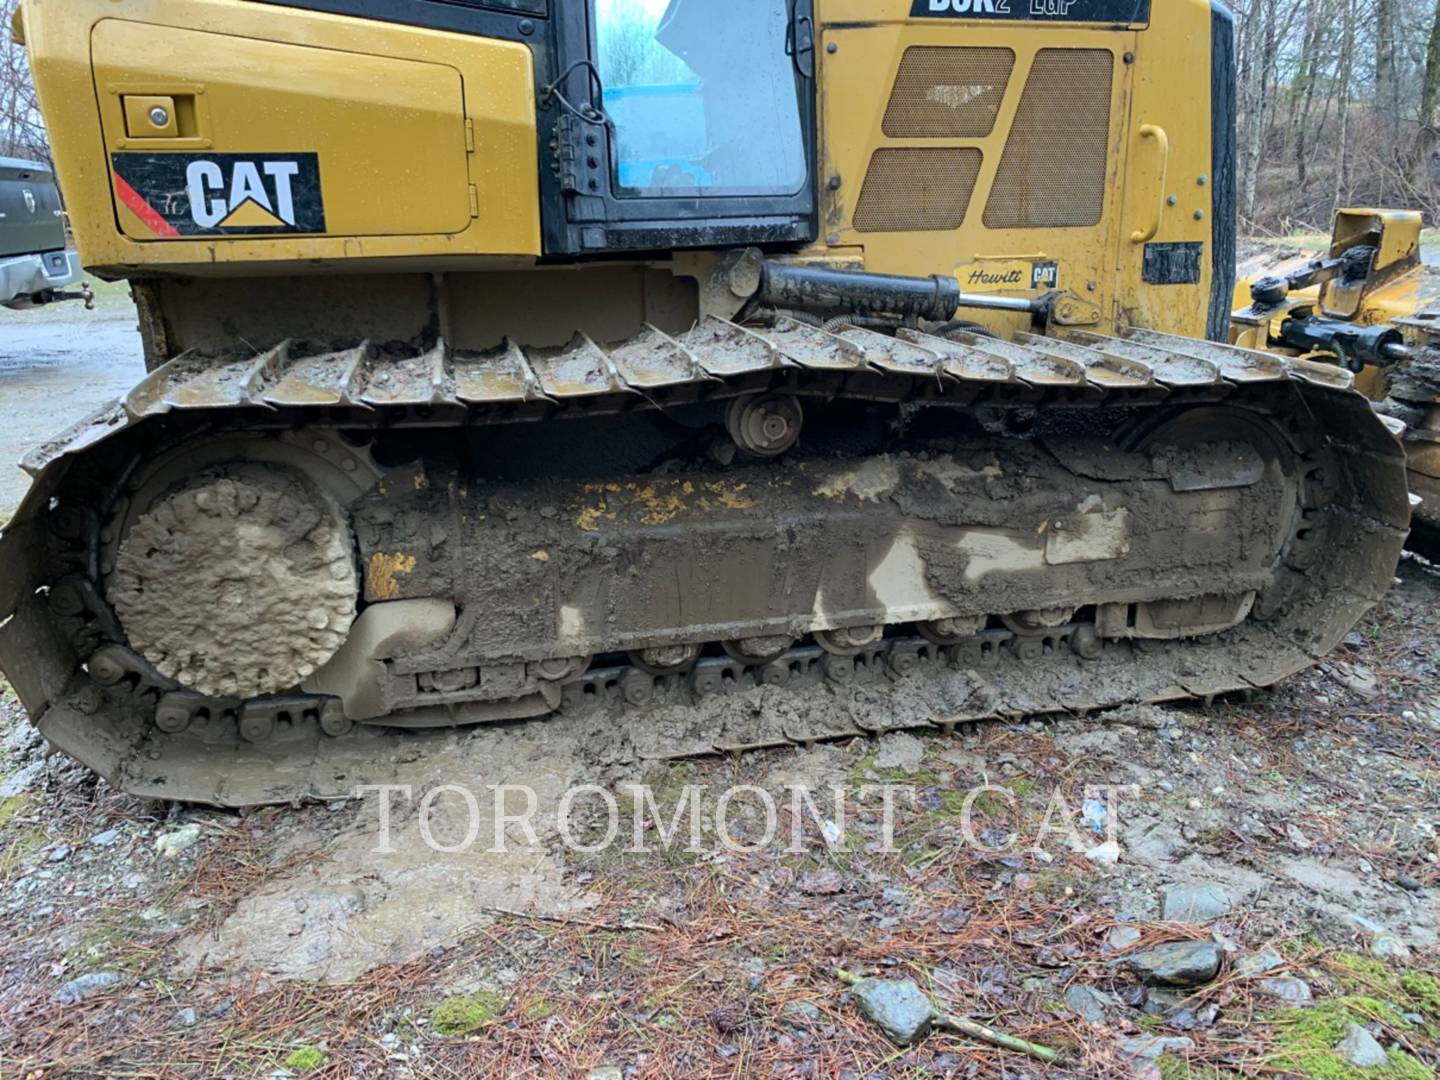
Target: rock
[
  {"x": 106, "y": 838},
  {"x": 826, "y": 882},
  {"x": 1201, "y": 1019},
  {"x": 899, "y": 751},
  {"x": 185, "y": 1018},
  {"x": 1196, "y": 904},
  {"x": 85, "y": 986},
  {"x": 899, "y": 1006},
  {"x": 60, "y": 853},
  {"x": 1154, "y": 841},
  {"x": 1360, "y": 1049},
  {"x": 605, "y": 1072},
  {"x": 1150, "y": 1047},
  {"x": 1356, "y": 677},
  {"x": 172, "y": 843},
  {"x": 1288, "y": 989},
  {"x": 1089, "y": 1002},
  {"x": 1106, "y": 854},
  {"x": 1162, "y": 1001},
  {"x": 1121, "y": 937},
  {"x": 1387, "y": 946},
  {"x": 1258, "y": 963},
  {"x": 1178, "y": 963},
  {"x": 804, "y": 1012}
]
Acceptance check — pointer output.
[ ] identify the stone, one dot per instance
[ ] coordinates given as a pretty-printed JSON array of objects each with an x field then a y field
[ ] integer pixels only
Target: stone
[
  {"x": 899, "y": 751},
  {"x": 1089, "y": 1003},
  {"x": 1288, "y": 989},
  {"x": 60, "y": 853},
  {"x": 1122, "y": 937},
  {"x": 1150, "y": 1047},
  {"x": 106, "y": 838},
  {"x": 1360, "y": 1049},
  {"x": 1178, "y": 963},
  {"x": 1162, "y": 1001},
  {"x": 1387, "y": 946},
  {"x": 823, "y": 882},
  {"x": 1258, "y": 963},
  {"x": 605, "y": 1072},
  {"x": 1154, "y": 841},
  {"x": 805, "y": 1012},
  {"x": 900, "y": 1007},
  {"x": 85, "y": 986},
  {"x": 1196, "y": 904},
  {"x": 172, "y": 843},
  {"x": 1106, "y": 854},
  {"x": 185, "y": 1017},
  {"x": 1356, "y": 677},
  {"x": 1195, "y": 1019}
]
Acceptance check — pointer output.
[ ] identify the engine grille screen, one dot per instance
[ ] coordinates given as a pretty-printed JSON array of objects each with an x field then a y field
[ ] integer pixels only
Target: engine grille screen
[
  {"x": 917, "y": 189},
  {"x": 943, "y": 92},
  {"x": 1052, "y": 174}
]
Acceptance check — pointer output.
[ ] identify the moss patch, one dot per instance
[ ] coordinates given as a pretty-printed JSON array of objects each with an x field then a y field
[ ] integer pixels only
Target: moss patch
[
  {"x": 18, "y": 849},
  {"x": 1414, "y": 991},
  {"x": 463, "y": 1015},
  {"x": 11, "y": 806},
  {"x": 1172, "y": 1068},
  {"x": 1424, "y": 991},
  {"x": 1305, "y": 1040},
  {"x": 305, "y": 1058}
]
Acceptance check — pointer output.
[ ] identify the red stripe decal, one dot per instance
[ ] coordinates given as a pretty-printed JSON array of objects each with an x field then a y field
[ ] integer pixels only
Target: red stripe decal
[{"x": 143, "y": 210}]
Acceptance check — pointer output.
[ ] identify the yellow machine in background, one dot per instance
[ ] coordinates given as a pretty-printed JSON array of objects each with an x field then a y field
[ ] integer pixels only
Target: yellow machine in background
[
  {"x": 1370, "y": 305},
  {"x": 525, "y": 356}
]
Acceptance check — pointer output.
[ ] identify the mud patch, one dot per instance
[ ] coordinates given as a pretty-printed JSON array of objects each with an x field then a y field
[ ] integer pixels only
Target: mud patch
[{"x": 354, "y": 905}]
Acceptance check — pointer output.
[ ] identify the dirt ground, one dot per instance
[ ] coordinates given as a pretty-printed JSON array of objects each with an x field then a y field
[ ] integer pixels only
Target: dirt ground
[
  {"x": 58, "y": 364},
  {"x": 1304, "y": 819},
  {"x": 1290, "y": 835}
]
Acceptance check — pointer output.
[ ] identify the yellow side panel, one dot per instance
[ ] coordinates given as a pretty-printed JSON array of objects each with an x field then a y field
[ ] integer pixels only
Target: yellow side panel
[
  {"x": 382, "y": 107},
  {"x": 861, "y": 61},
  {"x": 1169, "y": 188},
  {"x": 389, "y": 134}
]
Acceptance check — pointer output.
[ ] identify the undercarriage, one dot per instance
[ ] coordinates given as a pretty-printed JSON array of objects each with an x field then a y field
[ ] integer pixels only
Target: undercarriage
[{"x": 259, "y": 576}]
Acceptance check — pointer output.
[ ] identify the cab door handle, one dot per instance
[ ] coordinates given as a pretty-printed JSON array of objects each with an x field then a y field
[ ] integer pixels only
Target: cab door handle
[{"x": 1155, "y": 133}]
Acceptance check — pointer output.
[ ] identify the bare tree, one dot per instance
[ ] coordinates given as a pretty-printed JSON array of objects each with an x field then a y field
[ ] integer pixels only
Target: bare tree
[{"x": 22, "y": 133}]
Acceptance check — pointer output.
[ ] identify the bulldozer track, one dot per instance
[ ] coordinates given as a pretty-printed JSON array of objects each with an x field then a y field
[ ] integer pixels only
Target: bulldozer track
[{"x": 94, "y": 697}]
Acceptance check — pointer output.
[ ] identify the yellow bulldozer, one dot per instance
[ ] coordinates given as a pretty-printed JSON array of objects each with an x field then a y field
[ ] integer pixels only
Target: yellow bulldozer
[
  {"x": 630, "y": 358},
  {"x": 1370, "y": 304}
]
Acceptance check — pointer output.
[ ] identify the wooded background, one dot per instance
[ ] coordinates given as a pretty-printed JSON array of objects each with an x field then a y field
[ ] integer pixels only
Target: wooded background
[{"x": 1338, "y": 103}]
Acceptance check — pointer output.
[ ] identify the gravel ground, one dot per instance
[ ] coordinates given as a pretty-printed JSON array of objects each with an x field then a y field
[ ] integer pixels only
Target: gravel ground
[{"x": 1289, "y": 838}]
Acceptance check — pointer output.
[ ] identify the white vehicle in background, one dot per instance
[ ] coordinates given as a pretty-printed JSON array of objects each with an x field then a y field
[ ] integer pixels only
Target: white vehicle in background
[{"x": 35, "y": 265}]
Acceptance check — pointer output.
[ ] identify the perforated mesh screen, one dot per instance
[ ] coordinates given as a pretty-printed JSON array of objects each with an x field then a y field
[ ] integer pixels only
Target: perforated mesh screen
[
  {"x": 917, "y": 189},
  {"x": 1052, "y": 174},
  {"x": 942, "y": 92}
]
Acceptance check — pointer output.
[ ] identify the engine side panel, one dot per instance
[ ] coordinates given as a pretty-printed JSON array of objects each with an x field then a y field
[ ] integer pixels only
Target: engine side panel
[{"x": 391, "y": 140}]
